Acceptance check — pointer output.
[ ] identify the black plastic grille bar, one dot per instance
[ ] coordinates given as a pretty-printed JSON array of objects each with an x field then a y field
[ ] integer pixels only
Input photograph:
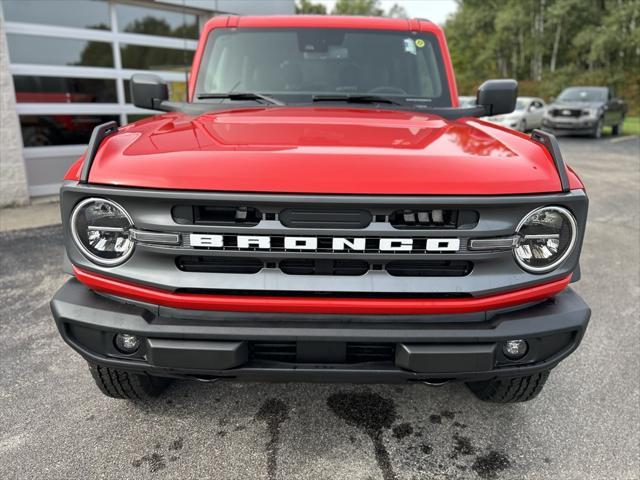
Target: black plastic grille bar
[{"x": 336, "y": 267}]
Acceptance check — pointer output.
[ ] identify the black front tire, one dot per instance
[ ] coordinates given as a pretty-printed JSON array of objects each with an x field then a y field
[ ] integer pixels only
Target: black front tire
[
  {"x": 597, "y": 131},
  {"x": 509, "y": 390},
  {"x": 128, "y": 385},
  {"x": 617, "y": 129}
]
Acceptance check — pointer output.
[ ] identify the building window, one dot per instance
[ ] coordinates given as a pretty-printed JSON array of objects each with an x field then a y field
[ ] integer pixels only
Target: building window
[
  {"x": 48, "y": 130},
  {"x": 135, "y": 118},
  {"x": 62, "y": 13},
  {"x": 141, "y": 57},
  {"x": 153, "y": 21},
  {"x": 71, "y": 61},
  {"x": 59, "y": 51},
  {"x": 33, "y": 89}
]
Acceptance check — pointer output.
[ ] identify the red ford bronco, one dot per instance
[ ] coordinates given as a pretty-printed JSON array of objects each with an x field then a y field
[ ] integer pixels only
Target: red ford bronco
[{"x": 321, "y": 209}]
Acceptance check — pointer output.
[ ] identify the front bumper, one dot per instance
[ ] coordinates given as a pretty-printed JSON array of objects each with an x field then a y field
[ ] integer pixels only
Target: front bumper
[
  {"x": 573, "y": 125},
  {"x": 319, "y": 347}
]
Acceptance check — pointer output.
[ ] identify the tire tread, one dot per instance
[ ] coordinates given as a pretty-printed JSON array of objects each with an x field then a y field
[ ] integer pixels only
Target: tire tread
[
  {"x": 510, "y": 390},
  {"x": 126, "y": 385}
]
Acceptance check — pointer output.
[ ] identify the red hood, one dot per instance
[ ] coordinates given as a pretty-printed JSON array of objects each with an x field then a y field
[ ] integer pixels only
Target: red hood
[{"x": 325, "y": 150}]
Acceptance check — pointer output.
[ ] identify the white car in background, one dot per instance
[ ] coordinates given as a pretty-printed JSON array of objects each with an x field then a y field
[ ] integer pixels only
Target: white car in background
[
  {"x": 466, "y": 101},
  {"x": 527, "y": 115}
]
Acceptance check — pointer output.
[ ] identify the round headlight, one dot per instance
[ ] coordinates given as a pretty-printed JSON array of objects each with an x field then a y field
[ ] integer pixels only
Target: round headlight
[
  {"x": 101, "y": 230},
  {"x": 547, "y": 236}
]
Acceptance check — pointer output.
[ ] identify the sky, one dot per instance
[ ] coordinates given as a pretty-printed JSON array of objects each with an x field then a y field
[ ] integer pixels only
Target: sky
[{"x": 435, "y": 10}]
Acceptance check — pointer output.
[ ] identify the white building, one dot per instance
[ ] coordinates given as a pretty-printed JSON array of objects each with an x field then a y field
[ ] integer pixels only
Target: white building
[{"x": 65, "y": 66}]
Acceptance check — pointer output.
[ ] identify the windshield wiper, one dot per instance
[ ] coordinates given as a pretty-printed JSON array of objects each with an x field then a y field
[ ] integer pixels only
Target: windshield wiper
[
  {"x": 355, "y": 99},
  {"x": 241, "y": 96}
]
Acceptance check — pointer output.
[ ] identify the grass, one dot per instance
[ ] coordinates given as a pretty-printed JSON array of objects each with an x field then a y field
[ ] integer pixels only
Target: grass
[{"x": 631, "y": 127}]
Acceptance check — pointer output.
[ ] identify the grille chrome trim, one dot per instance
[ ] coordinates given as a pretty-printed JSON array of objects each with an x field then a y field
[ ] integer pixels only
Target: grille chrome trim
[
  {"x": 493, "y": 243},
  {"x": 159, "y": 238}
]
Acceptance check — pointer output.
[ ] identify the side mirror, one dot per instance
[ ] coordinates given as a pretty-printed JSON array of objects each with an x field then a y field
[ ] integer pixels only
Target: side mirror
[
  {"x": 498, "y": 96},
  {"x": 148, "y": 91}
]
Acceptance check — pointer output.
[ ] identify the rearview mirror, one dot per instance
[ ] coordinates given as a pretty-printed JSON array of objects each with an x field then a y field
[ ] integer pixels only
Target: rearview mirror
[
  {"x": 498, "y": 96},
  {"x": 148, "y": 91}
]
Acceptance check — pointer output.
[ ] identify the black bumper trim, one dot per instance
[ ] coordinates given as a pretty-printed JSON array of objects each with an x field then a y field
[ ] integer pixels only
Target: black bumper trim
[{"x": 216, "y": 347}]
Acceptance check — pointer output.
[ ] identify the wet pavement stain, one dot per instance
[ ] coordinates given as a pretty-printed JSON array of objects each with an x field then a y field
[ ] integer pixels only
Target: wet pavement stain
[
  {"x": 402, "y": 430},
  {"x": 176, "y": 444},
  {"x": 489, "y": 465},
  {"x": 155, "y": 462},
  {"x": 447, "y": 414},
  {"x": 273, "y": 412},
  {"x": 462, "y": 446},
  {"x": 373, "y": 414}
]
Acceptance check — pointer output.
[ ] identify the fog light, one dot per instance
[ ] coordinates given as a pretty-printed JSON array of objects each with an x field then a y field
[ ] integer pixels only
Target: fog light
[
  {"x": 127, "y": 343},
  {"x": 515, "y": 349}
]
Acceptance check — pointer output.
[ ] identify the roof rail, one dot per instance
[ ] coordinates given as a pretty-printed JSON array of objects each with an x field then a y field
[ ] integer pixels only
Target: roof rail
[
  {"x": 551, "y": 144},
  {"x": 100, "y": 132}
]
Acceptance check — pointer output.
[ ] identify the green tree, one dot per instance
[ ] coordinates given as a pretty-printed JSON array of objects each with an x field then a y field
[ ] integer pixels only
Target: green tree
[
  {"x": 548, "y": 45},
  {"x": 309, "y": 8},
  {"x": 358, "y": 7},
  {"x": 397, "y": 11}
]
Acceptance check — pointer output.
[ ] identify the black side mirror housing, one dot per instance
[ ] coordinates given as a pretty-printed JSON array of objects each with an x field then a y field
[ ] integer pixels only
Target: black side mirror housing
[
  {"x": 498, "y": 96},
  {"x": 148, "y": 91}
]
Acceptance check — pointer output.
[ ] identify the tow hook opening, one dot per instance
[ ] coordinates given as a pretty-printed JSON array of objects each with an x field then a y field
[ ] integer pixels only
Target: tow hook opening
[
  {"x": 433, "y": 382},
  {"x": 203, "y": 379}
]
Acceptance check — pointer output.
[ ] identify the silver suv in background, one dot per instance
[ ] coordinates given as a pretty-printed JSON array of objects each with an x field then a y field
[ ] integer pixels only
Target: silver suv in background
[{"x": 586, "y": 111}]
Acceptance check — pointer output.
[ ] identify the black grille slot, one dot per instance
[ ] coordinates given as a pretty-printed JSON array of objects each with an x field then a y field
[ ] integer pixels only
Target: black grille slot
[
  {"x": 435, "y": 218},
  {"x": 355, "y": 352},
  {"x": 193, "y": 263},
  {"x": 314, "y": 218},
  {"x": 216, "y": 215},
  {"x": 323, "y": 267},
  {"x": 272, "y": 351},
  {"x": 370, "y": 352},
  {"x": 566, "y": 112},
  {"x": 429, "y": 268}
]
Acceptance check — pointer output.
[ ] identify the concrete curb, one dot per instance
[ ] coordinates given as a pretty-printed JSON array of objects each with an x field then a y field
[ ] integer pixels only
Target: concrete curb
[{"x": 38, "y": 214}]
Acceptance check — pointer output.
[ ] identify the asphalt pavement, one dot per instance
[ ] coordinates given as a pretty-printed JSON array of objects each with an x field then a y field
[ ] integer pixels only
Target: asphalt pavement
[{"x": 54, "y": 423}]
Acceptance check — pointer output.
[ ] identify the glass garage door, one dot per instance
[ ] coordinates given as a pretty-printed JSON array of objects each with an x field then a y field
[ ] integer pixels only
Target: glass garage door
[{"x": 71, "y": 62}]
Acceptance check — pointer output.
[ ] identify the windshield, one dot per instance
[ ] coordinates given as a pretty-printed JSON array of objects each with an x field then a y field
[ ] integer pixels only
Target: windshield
[
  {"x": 583, "y": 95},
  {"x": 295, "y": 64},
  {"x": 521, "y": 105}
]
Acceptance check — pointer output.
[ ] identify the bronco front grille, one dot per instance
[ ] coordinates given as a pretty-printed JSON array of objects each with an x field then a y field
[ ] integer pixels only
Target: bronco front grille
[{"x": 404, "y": 246}]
